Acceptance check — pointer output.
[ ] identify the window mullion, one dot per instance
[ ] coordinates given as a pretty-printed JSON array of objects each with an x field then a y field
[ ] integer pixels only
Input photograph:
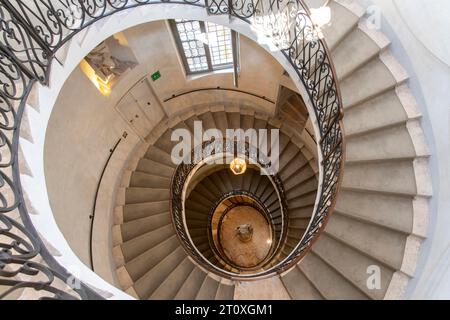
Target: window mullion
[
  {"x": 207, "y": 53},
  {"x": 235, "y": 50}
]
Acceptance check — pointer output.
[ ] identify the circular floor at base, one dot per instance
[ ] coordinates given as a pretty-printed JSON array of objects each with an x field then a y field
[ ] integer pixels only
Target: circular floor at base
[{"x": 245, "y": 254}]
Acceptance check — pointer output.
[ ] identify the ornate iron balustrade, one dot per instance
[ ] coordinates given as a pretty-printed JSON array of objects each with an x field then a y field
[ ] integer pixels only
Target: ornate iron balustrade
[
  {"x": 31, "y": 33},
  {"x": 206, "y": 152}
]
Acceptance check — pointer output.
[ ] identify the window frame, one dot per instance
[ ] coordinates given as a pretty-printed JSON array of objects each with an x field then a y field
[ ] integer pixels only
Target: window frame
[{"x": 211, "y": 68}]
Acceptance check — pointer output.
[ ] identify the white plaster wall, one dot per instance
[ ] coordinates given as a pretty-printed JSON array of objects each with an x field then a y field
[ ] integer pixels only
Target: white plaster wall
[
  {"x": 419, "y": 32},
  {"x": 81, "y": 130},
  {"x": 154, "y": 48}
]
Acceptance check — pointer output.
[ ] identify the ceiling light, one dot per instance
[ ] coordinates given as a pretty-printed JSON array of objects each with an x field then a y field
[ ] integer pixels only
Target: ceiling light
[{"x": 238, "y": 166}]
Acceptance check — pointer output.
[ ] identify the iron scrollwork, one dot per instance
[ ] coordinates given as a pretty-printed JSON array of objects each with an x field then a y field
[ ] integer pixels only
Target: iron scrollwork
[
  {"x": 181, "y": 177},
  {"x": 31, "y": 33}
]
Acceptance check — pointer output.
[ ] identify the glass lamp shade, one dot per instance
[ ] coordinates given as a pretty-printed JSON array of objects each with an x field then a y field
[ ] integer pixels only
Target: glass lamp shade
[{"x": 238, "y": 166}]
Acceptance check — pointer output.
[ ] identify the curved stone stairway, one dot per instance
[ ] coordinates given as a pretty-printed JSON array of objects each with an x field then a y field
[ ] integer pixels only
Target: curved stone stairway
[
  {"x": 380, "y": 216},
  {"x": 381, "y": 213},
  {"x": 211, "y": 188},
  {"x": 148, "y": 250}
]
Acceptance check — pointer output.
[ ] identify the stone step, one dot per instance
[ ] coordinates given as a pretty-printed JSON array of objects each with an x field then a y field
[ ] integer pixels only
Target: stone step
[
  {"x": 138, "y": 227},
  {"x": 328, "y": 281},
  {"x": 371, "y": 114},
  {"x": 225, "y": 292},
  {"x": 169, "y": 287},
  {"x": 305, "y": 212},
  {"x": 155, "y": 168},
  {"x": 145, "y": 180},
  {"x": 389, "y": 143},
  {"x": 208, "y": 289},
  {"x": 390, "y": 211},
  {"x": 303, "y": 174},
  {"x": 299, "y": 287},
  {"x": 303, "y": 201},
  {"x": 149, "y": 282},
  {"x": 305, "y": 187},
  {"x": 357, "y": 45},
  {"x": 385, "y": 245},
  {"x": 191, "y": 286},
  {"x": 140, "y": 195},
  {"x": 342, "y": 22},
  {"x": 160, "y": 156},
  {"x": 150, "y": 258},
  {"x": 142, "y": 210},
  {"x": 136, "y": 246},
  {"x": 196, "y": 206},
  {"x": 396, "y": 177},
  {"x": 220, "y": 119},
  {"x": 376, "y": 73},
  {"x": 353, "y": 265}
]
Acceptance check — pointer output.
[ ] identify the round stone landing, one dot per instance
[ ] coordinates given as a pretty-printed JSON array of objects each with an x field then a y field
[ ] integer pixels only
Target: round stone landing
[{"x": 253, "y": 250}]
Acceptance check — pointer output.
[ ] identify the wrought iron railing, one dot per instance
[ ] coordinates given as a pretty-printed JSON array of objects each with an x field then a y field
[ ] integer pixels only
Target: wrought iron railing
[
  {"x": 31, "y": 33},
  {"x": 208, "y": 151}
]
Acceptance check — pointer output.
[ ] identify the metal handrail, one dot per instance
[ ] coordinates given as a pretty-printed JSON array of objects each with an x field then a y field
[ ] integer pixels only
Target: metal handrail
[
  {"x": 31, "y": 33},
  {"x": 94, "y": 205},
  {"x": 180, "y": 181},
  {"x": 174, "y": 96}
]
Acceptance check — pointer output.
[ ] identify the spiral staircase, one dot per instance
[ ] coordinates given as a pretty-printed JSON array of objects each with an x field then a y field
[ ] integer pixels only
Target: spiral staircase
[
  {"x": 379, "y": 216},
  {"x": 146, "y": 242},
  {"x": 379, "y": 219}
]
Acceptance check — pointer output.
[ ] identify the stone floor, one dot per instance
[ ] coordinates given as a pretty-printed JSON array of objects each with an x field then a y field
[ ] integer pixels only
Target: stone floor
[{"x": 245, "y": 254}]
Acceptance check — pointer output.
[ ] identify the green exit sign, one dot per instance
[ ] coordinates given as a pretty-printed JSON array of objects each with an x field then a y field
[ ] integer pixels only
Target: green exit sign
[{"x": 155, "y": 76}]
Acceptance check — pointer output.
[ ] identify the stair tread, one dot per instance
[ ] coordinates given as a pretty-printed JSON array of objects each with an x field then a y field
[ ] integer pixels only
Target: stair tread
[
  {"x": 225, "y": 292},
  {"x": 172, "y": 284},
  {"x": 152, "y": 279},
  {"x": 147, "y": 180},
  {"x": 147, "y": 260},
  {"x": 192, "y": 285},
  {"x": 392, "y": 176},
  {"x": 304, "y": 188},
  {"x": 155, "y": 154},
  {"x": 141, "y": 195},
  {"x": 342, "y": 22},
  {"x": 155, "y": 168},
  {"x": 137, "y": 227},
  {"x": 299, "y": 287},
  {"x": 376, "y": 73},
  {"x": 352, "y": 265},
  {"x": 142, "y": 210},
  {"x": 390, "y": 143},
  {"x": 384, "y": 245},
  {"x": 136, "y": 246},
  {"x": 208, "y": 289},
  {"x": 385, "y": 210},
  {"x": 328, "y": 282},
  {"x": 357, "y": 45},
  {"x": 373, "y": 113}
]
